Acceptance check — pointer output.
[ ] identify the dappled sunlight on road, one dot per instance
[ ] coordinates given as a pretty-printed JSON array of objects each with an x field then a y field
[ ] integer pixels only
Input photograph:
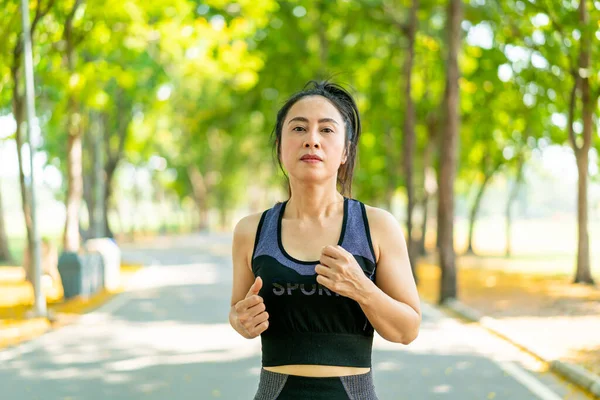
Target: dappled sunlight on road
[
  {"x": 179, "y": 275},
  {"x": 115, "y": 345},
  {"x": 173, "y": 316},
  {"x": 554, "y": 341},
  {"x": 168, "y": 338},
  {"x": 447, "y": 337}
]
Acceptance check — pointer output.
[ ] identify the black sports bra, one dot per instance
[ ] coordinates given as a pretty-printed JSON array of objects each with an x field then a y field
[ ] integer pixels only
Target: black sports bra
[{"x": 308, "y": 323}]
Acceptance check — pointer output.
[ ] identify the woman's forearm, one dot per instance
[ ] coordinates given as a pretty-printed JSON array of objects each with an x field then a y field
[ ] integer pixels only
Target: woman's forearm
[{"x": 393, "y": 320}]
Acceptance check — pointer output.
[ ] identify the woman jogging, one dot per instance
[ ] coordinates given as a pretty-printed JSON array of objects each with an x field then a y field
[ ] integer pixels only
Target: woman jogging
[{"x": 317, "y": 274}]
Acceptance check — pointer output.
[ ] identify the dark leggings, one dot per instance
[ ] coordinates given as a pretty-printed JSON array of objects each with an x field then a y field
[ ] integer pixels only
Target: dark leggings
[{"x": 276, "y": 386}]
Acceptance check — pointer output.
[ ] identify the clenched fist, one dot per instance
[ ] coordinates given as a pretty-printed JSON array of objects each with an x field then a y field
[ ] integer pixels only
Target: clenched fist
[{"x": 251, "y": 313}]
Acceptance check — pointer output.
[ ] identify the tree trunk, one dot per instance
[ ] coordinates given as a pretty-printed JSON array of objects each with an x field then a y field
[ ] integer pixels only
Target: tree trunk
[
  {"x": 449, "y": 156},
  {"x": 509, "y": 204},
  {"x": 71, "y": 238},
  {"x": 422, "y": 250},
  {"x": 390, "y": 160},
  {"x": 110, "y": 172},
  {"x": 583, "y": 273},
  {"x": 429, "y": 188},
  {"x": 473, "y": 216},
  {"x": 200, "y": 192},
  {"x": 19, "y": 114},
  {"x": 18, "y": 105},
  {"x": 476, "y": 204},
  {"x": 89, "y": 204},
  {"x": 107, "y": 193},
  {"x": 88, "y": 187},
  {"x": 409, "y": 133},
  {"x": 5, "y": 255},
  {"x": 136, "y": 223},
  {"x": 114, "y": 156}
]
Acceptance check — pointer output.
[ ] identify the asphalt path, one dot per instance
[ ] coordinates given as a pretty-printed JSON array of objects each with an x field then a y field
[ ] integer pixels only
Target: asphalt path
[{"x": 168, "y": 337}]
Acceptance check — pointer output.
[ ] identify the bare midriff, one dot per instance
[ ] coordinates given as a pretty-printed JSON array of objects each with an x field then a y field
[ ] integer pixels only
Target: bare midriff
[{"x": 317, "y": 370}]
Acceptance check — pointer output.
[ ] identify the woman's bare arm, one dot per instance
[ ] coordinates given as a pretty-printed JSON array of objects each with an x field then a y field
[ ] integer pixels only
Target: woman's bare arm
[
  {"x": 392, "y": 304},
  {"x": 243, "y": 243}
]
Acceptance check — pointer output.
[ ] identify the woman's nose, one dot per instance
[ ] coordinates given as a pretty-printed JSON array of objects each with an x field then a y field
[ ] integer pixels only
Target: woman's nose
[{"x": 312, "y": 140}]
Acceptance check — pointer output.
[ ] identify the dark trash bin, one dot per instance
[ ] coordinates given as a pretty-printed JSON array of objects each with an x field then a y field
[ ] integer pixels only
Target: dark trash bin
[{"x": 82, "y": 274}]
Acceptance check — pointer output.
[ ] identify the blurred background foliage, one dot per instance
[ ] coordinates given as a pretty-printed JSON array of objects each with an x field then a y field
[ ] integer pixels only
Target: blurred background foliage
[{"x": 183, "y": 95}]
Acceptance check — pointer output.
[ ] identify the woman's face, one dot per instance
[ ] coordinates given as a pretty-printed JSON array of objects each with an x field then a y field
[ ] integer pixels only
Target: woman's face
[{"x": 313, "y": 126}]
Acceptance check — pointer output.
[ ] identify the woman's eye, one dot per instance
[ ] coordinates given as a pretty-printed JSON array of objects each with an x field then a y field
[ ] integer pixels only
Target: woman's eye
[{"x": 301, "y": 128}]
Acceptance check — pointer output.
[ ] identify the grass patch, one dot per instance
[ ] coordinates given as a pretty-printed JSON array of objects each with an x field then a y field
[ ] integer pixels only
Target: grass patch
[
  {"x": 498, "y": 291},
  {"x": 16, "y": 246}
]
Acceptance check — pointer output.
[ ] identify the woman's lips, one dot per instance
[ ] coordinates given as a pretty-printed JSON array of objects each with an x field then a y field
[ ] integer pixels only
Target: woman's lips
[{"x": 311, "y": 160}]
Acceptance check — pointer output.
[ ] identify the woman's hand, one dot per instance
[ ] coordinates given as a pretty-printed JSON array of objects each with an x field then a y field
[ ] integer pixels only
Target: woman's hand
[
  {"x": 339, "y": 271},
  {"x": 250, "y": 312}
]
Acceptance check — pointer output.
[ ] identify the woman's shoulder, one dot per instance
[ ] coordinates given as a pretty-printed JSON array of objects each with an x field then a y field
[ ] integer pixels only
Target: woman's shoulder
[
  {"x": 383, "y": 227},
  {"x": 379, "y": 216},
  {"x": 246, "y": 227}
]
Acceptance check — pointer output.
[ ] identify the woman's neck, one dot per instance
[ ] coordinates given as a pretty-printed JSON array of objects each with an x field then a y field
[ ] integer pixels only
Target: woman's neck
[{"x": 307, "y": 204}]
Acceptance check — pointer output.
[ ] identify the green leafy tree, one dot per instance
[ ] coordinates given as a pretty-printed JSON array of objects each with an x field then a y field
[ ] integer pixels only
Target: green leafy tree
[
  {"x": 11, "y": 50},
  {"x": 560, "y": 43}
]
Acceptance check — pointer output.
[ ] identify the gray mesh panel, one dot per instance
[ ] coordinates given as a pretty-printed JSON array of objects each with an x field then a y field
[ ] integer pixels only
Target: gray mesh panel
[
  {"x": 355, "y": 239},
  {"x": 268, "y": 244},
  {"x": 270, "y": 385},
  {"x": 360, "y": 387}
]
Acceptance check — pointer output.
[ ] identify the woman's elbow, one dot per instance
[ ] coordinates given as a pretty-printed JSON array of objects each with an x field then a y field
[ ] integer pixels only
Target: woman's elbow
[
  {"x": 409, "y": 338},
  {"x": 407, "y": 335},
  {"x": 414, "y": 332}
]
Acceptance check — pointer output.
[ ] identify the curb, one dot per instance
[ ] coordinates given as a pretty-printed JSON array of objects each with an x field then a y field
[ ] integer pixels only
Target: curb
[
  {"x": 574, "y": 373},
  {"x": 23, "y": 331},
  {"x": 30, "y": 329}
]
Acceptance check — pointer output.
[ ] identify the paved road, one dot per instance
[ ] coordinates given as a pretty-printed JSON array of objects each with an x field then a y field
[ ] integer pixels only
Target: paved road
[{"x": 168, "y": 338}]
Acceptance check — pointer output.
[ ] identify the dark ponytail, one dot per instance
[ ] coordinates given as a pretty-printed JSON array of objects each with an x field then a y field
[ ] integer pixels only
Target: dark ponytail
[{"x": 345, "y": 104}]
